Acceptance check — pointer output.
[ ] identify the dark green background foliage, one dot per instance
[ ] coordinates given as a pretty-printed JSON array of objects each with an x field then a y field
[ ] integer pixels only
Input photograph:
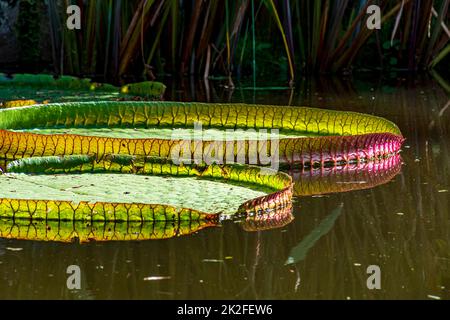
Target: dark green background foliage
[
  {"x": 223, "y": 38},
  {"x": 28, "y": 30}
]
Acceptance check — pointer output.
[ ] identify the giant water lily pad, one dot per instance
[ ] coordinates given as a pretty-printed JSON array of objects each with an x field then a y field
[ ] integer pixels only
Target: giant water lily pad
[
  {"x": 338, "y": 137},
  {"x": 137, "y": 161},
  {"x": 86, "y": 188},
  {"x": 43, "y": 88},
  {"x": 108, "y": 167},
  {"x": 183, "y": 192}
]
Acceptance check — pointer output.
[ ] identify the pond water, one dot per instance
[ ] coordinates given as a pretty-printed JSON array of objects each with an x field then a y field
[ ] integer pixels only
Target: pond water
[{"x": 398, "y": 221}]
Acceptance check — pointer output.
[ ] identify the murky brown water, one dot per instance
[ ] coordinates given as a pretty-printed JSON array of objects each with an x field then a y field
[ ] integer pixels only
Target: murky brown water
[{"x": 402, "y": 226}]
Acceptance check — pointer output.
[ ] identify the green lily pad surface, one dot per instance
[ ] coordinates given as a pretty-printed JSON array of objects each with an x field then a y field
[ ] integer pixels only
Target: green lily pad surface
[
  {"x": 187, "y": 192},
  {"x": 55, "y": 95},
  {"x": 166, "y": 133},
  {"x": 183, "y": 192},
  {"x": 44, "y": 88}
]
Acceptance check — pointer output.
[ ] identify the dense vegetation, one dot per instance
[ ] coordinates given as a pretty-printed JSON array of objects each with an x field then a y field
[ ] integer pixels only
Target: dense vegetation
[{"x": 262, "y": 38}]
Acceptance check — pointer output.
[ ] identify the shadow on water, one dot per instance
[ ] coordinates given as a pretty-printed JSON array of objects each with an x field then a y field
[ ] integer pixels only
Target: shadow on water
[{"x": 399, "y": 220}]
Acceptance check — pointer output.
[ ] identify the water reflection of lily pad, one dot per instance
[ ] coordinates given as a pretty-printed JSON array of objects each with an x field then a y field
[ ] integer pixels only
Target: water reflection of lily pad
[
  {"x": 272, "y": 220},
  {"x": 69, "y": 231},
  {"x": 349, "y": 177}
]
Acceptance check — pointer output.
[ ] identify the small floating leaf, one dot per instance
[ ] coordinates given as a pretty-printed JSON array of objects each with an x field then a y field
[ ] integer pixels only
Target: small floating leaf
[
  {"x": 157, "y": 278},
  {"x": 299, "y": 252},
  {"x": 13, "y": 249}
]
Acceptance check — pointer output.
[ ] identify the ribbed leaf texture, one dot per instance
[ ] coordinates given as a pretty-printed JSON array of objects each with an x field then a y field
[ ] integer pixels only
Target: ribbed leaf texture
[{"x": 325, "y": 144}]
